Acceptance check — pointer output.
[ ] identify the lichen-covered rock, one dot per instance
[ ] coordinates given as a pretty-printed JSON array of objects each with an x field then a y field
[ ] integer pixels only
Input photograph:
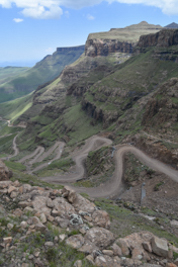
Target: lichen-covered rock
[
  {"x": 101, "y": 219},
  {"x": 78, "y": 202},
  {"x": 63, "y": 208},
  {"x": 101, "y": 237},
  {"x": 75, "y": 241}
]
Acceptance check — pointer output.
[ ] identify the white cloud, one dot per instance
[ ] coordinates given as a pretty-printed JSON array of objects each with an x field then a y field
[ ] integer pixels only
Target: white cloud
[
  {"x": 17, "y": 20},
  {"x": 168, "y": 7},
  {"x": 41, "y": 12},
  {"x": 90, "y": 17},
  {"x": 51, "y": 9}
]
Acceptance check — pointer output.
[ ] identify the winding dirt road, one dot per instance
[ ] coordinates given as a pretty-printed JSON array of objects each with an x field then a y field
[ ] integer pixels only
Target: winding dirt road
[{"x": 114, "y": 187}]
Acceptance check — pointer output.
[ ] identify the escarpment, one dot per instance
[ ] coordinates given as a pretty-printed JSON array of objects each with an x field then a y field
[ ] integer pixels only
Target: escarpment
[
  {"x": 164, "y": 38},
  {"x": 98, "y": 47}
]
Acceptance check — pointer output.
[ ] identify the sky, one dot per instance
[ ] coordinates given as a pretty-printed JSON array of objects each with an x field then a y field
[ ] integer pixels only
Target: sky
[{"x": 32, "y": 29}]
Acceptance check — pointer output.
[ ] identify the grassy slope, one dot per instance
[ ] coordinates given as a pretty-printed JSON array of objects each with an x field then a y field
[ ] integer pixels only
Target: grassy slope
[
  {"x": 131, "y": 81},
  {"x": 8, "y": 73},
  {"x": 11, "y": 110},
  {"x": 46, "y": 70},
  {"x": 128, "y": 34}
]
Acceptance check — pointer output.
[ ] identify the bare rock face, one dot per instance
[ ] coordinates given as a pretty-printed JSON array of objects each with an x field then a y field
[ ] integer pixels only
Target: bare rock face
[
  {"x": 164, "y": 38},
  {"x": 104, "y": 47},
  {"x": 5, "y": 174}
]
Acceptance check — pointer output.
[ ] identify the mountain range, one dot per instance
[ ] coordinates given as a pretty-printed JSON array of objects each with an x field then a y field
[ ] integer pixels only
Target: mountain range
[
  {"x": 106, "y": 124},
  {"x": 45, "y": 70}
]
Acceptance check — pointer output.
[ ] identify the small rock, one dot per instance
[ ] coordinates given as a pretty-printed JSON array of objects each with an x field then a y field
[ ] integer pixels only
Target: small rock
[
  {"x": 17, "y": 212},
  {"x": 43, "y": 218},
  {"x": 7, "y": 240},
  {"x": 116, "y": 250},
  {"x": 90, "y": 259},
  {"x": 49, "y": 203},
  {"x": 147, "y": 246},
  {"x": 11, "y": 188},
  {"x": 23, "y": 224},
  {"x": 78, "y": 263},
  {"x": 37, "y": 254},
  {"x": 108, "y": 252},
  {"x": 30, "y": 257},
  {"x": 13, "y": 194},
  {"x": 10, "y": 226},
  {"x": 49, "y": 244},
  {"x": 62, "y": 237},
  {"x": 171, "y": 265},
  {"x": 124, "y": 247}
]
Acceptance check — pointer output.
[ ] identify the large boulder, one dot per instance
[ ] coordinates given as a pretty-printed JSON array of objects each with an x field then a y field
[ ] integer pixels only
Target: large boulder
[
  {"x": 100, "y": 237},
  {"x": 75, "y": 241},
  {"x": 159, "y": 246},
  {"x": 79, "y": 203}
]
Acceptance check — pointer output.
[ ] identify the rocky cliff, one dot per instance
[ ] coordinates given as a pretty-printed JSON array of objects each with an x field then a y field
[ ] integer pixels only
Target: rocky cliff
[
  {"x": 164, "y": 38},
  {"x": 98, "y": 47},
  {"x": 117, "y": 40},
  {"x": 161, "y": 112}
]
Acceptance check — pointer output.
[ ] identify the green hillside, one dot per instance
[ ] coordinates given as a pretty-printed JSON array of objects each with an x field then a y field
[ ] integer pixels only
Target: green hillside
[
  {"x": 44, "y": 71},
  {"x": 8, "y": 73},
  {"x": 11, "y": 110}
]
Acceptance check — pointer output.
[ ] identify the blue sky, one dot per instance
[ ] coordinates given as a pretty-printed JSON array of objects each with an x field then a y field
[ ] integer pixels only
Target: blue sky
[{"x": 31, "y": 29}]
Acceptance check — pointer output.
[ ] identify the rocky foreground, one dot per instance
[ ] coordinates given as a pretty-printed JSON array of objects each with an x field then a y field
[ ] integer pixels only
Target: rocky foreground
[{"x": 47, "y": 227}]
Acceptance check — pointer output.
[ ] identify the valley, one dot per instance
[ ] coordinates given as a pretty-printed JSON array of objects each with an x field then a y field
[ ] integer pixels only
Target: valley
[{"x": 104, "y": 125}]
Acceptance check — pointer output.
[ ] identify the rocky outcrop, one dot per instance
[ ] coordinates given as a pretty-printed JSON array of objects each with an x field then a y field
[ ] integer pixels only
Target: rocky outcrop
[
  {"x": 161, "y": 111},
  {"x": 100, "y": 47},
  {"x": 163, "y": 38},
  {"x": 48, "y": 222},
  {"x": 117, "y": 39},
  {"x": 5, "y": 174}
]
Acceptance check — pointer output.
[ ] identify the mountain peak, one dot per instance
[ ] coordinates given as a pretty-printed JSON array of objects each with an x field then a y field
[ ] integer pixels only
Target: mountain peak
[{"x": 172, "y": 25}]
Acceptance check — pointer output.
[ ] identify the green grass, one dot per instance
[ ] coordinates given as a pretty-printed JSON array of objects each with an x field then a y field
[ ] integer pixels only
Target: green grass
[
  {"x": 13, "y": 109},
  {"x": 15, "y": 165},
  {"x": 7, "y": 73},
  {"x": 6, "y": 143},
  {"x": 56, "y": 167},
  {"x": 125, "y": 222},
  {"x": 79, "y": 123}
]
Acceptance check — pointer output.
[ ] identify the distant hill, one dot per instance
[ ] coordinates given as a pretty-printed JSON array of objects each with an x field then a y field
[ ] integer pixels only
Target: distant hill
[
  {"x": 44, "y": 71},
  {"x": 8, "y": 73},
  {"x": 172, "y": 26}
]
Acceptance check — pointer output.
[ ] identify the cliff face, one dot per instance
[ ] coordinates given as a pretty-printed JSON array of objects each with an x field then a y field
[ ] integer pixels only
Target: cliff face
[
  {"x": 164, "y": 38},
  {"x": 98, "y": 47},
  {"x": 161, "y": 111},
  {"x": 118, "y": 39}
]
